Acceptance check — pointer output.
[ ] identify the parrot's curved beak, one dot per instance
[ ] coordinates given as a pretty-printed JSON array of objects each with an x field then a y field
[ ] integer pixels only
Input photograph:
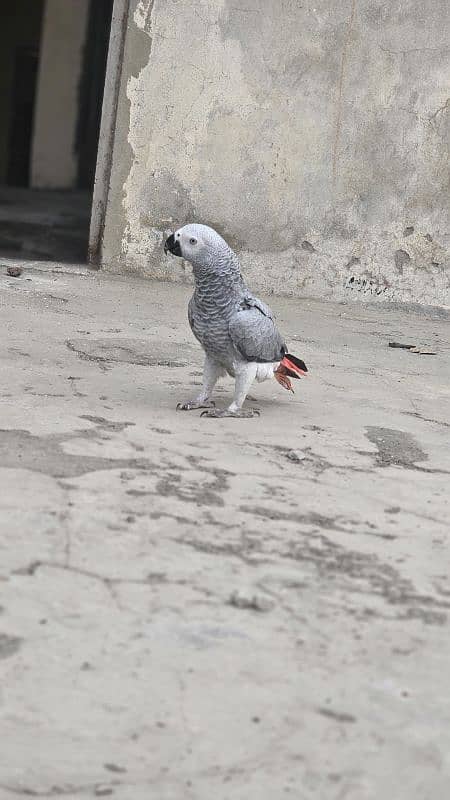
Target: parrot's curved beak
[{"x": 172, "y": 245}]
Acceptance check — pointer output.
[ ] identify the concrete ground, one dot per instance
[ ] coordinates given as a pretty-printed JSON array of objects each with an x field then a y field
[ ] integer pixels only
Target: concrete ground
[{"x": 229, "y": 609}]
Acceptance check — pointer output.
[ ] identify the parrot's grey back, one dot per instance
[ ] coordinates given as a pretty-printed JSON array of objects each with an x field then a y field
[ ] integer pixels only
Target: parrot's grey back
[
  {"x": 254, "y": 333},
  {"x": 233, "y": 325}
]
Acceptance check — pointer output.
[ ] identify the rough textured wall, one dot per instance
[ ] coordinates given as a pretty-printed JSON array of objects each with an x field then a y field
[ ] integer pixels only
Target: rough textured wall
[{"x": 314, "y": 136}]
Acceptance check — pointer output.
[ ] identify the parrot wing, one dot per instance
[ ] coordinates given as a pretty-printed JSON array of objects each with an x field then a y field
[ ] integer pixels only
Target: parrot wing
[
  {"x": 250, "y": 301},
  {"x": 254, "y": 333},
  {"x": 191, "y": 316}
]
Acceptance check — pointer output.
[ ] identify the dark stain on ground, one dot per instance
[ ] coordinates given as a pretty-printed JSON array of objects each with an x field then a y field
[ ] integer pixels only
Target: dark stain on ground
[
  {"x": 368, "y": 574},
  {"x": 156, "y": 515},
  {"x": 395, "y": 448},
  {"x": 19, "y": 449},
  {"x": 311, "y": 518},
  {"x": 185, "y": 484},
  {"x": 204, "y": 493},
  {"x": 144, "y": 353},
  {"x": 347, "y": 569},
  {"x": 338, "y": 716},
  {"x": 9, "y": 645},
  {"x": 111, "y": 767},
  {"x": 106, "y": 424},
  {"x": 227, "y": 549}
]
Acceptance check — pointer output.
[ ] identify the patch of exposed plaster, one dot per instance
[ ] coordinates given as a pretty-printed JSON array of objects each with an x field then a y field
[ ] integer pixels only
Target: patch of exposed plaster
[
  {"x": 143, "y": 13},
  {"x": 172, "y": 120}
]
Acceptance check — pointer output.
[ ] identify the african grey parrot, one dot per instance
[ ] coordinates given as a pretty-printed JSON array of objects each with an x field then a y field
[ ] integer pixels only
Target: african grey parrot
[{"x": 236, "y": 329}]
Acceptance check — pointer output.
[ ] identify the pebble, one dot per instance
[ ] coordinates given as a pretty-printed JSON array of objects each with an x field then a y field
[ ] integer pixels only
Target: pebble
[
  {"x": 250, "y": 601},
  {"x": 295, "y": 455},
  {"x": 14, "y": 272}
]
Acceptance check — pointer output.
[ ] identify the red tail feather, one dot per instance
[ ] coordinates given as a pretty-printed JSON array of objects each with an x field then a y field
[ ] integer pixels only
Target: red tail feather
[{"x": 294, "y": 366}]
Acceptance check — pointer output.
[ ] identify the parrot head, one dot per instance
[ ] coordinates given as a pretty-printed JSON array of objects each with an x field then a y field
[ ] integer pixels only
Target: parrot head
[{"x": 198, "y": 244}]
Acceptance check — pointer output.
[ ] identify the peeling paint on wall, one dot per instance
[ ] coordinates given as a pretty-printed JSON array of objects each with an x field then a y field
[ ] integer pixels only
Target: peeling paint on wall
[
  {"x": 238, "y": 118},
  {"x": 142, "y": 13}
]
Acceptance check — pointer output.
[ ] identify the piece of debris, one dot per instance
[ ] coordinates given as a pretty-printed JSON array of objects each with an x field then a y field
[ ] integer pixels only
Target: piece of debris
[
  {"x": 114, "y": 767},
  {"x": 252, "y": 602},
  {"x": 338, "y": 716},
  {"x": 295, "y": 455},
  {"x": 14, "y": 272},
  {"x": 423, "y": 351}
]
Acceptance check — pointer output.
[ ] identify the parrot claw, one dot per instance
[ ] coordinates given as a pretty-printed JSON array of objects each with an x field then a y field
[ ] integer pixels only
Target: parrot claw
[
  {"x": 217, "y": 413},
  {"x": 191, "y": 405}
]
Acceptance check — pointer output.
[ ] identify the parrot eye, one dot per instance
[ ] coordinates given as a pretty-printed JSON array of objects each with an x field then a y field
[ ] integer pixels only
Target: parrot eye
[{"x": 192, "y": 241}]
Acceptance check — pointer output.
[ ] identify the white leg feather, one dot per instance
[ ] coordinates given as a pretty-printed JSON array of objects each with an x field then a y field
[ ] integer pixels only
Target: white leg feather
[
  {"x": 211, "y": 372},
  {"x": 245, "y": 375},
  {"x": 265, "y": 372}
]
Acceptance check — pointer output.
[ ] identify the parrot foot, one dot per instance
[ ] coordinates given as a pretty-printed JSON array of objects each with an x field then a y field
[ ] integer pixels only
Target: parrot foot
[
  {"x": 191, "y": 405},
  {"x": 217, "y": 413}
]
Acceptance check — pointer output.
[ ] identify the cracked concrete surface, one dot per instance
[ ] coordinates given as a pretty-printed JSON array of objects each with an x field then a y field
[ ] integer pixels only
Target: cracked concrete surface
[{"x": 195, "y": 608}]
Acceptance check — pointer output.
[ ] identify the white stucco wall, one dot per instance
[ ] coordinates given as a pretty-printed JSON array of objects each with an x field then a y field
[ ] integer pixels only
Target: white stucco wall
[{"x": 314, "y": 136}]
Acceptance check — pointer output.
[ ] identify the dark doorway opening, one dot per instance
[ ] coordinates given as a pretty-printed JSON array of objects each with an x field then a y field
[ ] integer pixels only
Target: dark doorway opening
[
  {"x": 22, "y": 108},
  {"x": 91, "y": 90},
  {"x": 20, "y": 35},
  {"x": 52, "y": 73}
]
